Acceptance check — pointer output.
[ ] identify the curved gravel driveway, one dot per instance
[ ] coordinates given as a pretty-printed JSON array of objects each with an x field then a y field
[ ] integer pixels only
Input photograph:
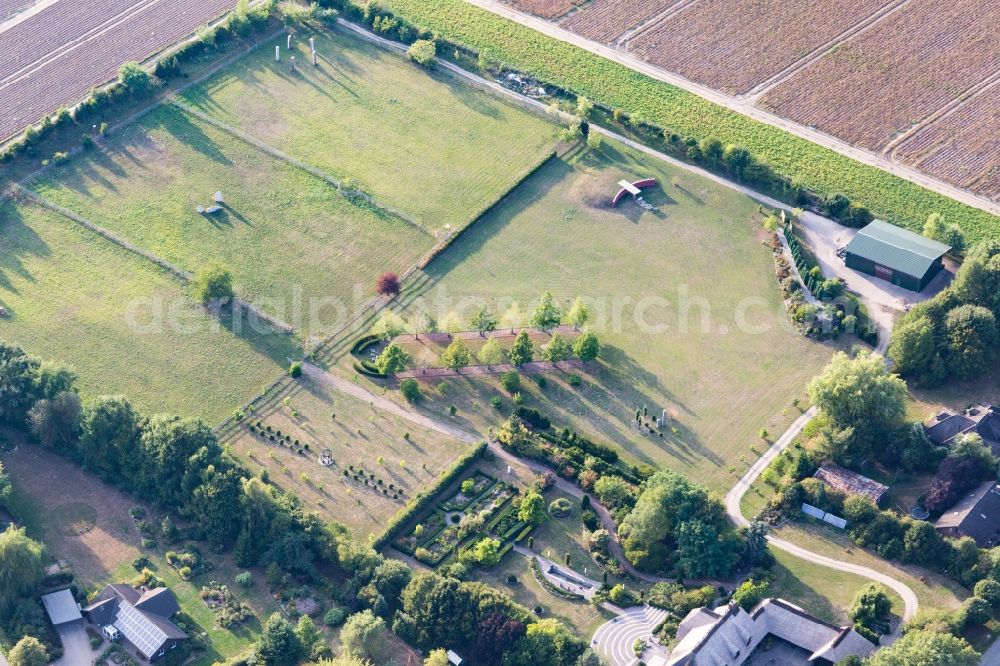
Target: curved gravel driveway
[{"x": 734, "y": 497}]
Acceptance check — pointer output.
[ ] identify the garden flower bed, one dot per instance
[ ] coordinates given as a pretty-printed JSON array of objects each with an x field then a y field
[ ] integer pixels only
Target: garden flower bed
[{"x": 461, "y": 501}]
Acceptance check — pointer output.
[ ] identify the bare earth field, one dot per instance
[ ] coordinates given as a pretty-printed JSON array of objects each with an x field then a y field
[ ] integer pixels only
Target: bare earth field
[
  {"x": 962, "y": 147},
  {"x": 606, "y": 20},
  {"x": 357, "y": 435},
  {"x": 86, "y": 44},
  {"x": 544, "y": 8},
  {"x": 732, "y": 46},
  {"x": 911, "y": 64}
]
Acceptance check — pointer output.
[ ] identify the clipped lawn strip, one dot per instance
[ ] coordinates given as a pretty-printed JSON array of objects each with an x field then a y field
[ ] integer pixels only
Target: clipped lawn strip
[{"x": 814, "y": 167}]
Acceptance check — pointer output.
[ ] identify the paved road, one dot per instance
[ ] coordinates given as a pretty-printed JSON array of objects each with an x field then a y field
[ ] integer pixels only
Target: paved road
[
  {"x": 616, "y": 637},
  {"x": 732, "y": 501},
  {"x": 992, "y": 656},
  {"x": 742, "y": 106}
]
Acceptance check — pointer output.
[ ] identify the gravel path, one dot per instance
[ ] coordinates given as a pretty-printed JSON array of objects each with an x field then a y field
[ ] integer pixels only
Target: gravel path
[{"x": 734, "y": 496}]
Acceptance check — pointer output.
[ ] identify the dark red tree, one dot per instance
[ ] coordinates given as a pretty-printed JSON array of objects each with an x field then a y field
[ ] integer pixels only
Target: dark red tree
[
  {"x": 387, "y": 284},
  {"x": 497, "y": 633},
  {"x": 954, "y": 477}
]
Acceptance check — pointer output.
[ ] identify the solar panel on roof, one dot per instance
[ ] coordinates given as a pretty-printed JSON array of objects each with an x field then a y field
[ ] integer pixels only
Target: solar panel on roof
[{"x": 139, "y": 630}]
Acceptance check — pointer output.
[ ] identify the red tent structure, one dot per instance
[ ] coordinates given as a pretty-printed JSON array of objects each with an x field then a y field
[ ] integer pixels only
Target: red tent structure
[{"x": 635, "y": 189}]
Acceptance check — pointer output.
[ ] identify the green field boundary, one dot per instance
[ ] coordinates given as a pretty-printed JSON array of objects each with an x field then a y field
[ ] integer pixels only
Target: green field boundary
[
  {"x": 24, "y": 194},
  {"x": 251, "y": 140},
  {"x": 818, "y": 169}
]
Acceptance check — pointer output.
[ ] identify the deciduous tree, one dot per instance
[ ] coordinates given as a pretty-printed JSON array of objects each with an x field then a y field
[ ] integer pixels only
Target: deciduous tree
[
  {"x": 925, "y": 648},
  {"x": 522, "y": 351},
  {"x": 547, "y": 314},
  {"x": 484, "y": 321},
  {"x": 392, "y": 359},
  {"x": 456, "y": 356},
  {"x": 213, "y": 285},
  {"x": 586, "y": 347}
]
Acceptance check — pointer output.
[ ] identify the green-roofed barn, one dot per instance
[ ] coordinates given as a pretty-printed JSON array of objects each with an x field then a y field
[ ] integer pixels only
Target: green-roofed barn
[{"x": 896, "y": 255}]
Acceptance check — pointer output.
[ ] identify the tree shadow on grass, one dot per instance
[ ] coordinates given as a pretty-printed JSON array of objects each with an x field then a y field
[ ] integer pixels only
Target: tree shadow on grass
[
  {"x": 472, "y": 97},
  {"x": 18, "y": 240},
  {"x": 535, "y": 188},
  {"x": 186, "y": 130},
  {"x": 277, "y": 345}
]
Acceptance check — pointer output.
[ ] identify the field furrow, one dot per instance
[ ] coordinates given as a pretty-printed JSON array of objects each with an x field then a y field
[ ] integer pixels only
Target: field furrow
[
  {"x": 908, "y": 66},
  {"x": 606, "y": 20},
  {"x": 962, "y": 147},
  {"x": 52, "y": 28},
  {"x": 733, "y": 46},
  {"x": 68, "y": 77},
  {"x": 545, "y": 8}
]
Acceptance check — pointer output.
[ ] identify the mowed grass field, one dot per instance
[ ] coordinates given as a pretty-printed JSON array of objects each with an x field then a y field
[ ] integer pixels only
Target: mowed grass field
[
  {"x": 684, "y": 301},
  {"x": 295, "y": 245},
  {"x": 424, "y": 143},
  {"x": 127, "y": 326},
  {"x": 356, "y": 434}
]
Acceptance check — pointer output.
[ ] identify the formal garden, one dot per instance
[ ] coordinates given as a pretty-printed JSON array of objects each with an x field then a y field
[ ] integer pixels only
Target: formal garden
[{"x": 481, "y": 510}]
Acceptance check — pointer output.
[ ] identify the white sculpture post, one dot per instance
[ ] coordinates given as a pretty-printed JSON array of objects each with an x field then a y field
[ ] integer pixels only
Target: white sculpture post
[
  {"x": 277, "y": 53},
  {"x": 293, "y": 63},
  {"x": 288, "y": 45}
]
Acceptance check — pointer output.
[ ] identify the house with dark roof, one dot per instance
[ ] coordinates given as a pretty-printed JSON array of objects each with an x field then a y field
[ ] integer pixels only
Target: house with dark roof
[
  {"x": 141, "y": 616},
  {"x": 896, "y": 255},
  {"x": 850, "y": 483},
  {"x": 984, "y": 420},
  {"x": 730, "y": 636},
  {"x": 976, "y": 514}
]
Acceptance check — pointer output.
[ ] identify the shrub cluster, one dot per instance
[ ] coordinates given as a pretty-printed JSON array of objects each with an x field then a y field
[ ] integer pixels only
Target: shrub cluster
[{"x": 955, "y": 334}]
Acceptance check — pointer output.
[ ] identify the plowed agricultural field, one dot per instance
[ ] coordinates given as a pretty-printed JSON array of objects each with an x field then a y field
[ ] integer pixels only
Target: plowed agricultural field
[
  {"x": 10, "y": 7},
  {"x": 606, "y": 20},
  {"x": 545, "y": 8},
  {"x": 90, "y": 47},
  {"x": 962, "y": 147},
  {"x": 733, "y": 46},
  {"x": 894, "y": 75}
]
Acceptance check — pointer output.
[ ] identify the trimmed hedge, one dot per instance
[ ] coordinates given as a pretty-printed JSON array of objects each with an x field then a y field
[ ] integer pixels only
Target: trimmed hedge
[
  {"x": 364, "y": 369},
  {"x": 549, "y": 587},
  {"x": 362, "y": 343},
  {"x": 444, "y": 245},
  {"x": 424, "y": 499}
]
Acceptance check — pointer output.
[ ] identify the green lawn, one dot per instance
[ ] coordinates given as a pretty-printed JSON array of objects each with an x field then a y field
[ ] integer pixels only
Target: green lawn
[
  {"x": 294, "y": 244},
  {"x": 825, "y": 593},
  {"x": 126, "y": 325},
  {"x": 424, "y": 143},
  {"x": 654, "y": 281},
  {"x": 933, "y": 590}
]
